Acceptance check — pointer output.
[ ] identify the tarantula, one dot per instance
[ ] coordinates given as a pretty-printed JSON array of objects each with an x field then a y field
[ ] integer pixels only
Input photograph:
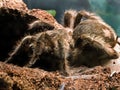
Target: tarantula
[
  {"x": 48, "y": 50},
  {"x": 85, "y": 39},
  {"x": 94, "y": 40}
]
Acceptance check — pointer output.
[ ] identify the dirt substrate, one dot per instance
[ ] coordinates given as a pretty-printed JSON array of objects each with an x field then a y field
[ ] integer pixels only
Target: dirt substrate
[{"x": 17, "y": 78}]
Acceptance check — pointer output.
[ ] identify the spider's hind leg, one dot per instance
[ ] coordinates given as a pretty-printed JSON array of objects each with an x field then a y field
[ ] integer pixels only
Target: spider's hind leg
[
  {"x": 22, "y": 52},
  {"x": 39, "y": 26}
]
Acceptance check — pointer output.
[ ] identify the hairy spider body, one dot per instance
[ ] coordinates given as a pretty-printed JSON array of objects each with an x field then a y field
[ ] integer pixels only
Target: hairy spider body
[
  {"x": 48, "y": 50},
  {"x": 94, "y": 40}
]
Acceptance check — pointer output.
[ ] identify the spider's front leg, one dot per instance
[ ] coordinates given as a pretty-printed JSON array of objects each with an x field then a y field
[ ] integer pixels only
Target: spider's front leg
[
  {"x": 108, "y": 52},
  {"x": 39, "y": 48},
  {"x": 22, "y": 52},
  {"x": 64, "y": 51}
]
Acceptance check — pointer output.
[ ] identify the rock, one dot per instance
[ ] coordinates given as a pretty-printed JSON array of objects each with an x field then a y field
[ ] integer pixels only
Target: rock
[
  {"x": 13, "y": 4},
  {"x": 45, "y": 16},
  {"x": 18, "y": 78}
]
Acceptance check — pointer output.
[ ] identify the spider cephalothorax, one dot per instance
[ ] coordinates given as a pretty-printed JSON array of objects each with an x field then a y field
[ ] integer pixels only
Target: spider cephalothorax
[{"x": 94, "y": 40}]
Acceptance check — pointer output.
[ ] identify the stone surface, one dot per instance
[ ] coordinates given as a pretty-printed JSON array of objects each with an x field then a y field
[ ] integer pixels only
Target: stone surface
[{"x": 18, "y": 78}]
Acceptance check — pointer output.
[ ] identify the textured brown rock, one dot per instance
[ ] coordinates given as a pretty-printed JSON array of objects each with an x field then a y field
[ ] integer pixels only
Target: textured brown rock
[
  {"x": 13, "y": 4},
  {"x": 45, "y": 16},
  {"x": 14, "y": 78},
  {"x": 27, "y": 79}
]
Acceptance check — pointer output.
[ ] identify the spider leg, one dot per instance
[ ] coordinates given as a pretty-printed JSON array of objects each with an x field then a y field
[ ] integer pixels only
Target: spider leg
[
  {"x": 63, "y": 52},
  {"x": 36, "y": 54},
  {"x": 69, "y": 18},
  {"x": 39, "y": 26},
  {"x": 21, "y": 52},
  {"x": 64, "y": 67},
  {"x": 105, "y": 48},
  {"x": 118, "y": 40},
  {"x": 77, "y": 19},
  {"x": 109, "y": 52},
  {"x": 38, "y": 50}
]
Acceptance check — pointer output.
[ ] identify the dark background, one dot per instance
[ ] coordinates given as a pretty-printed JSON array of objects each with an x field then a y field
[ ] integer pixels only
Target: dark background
[{"x": 107, "y": 9}]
